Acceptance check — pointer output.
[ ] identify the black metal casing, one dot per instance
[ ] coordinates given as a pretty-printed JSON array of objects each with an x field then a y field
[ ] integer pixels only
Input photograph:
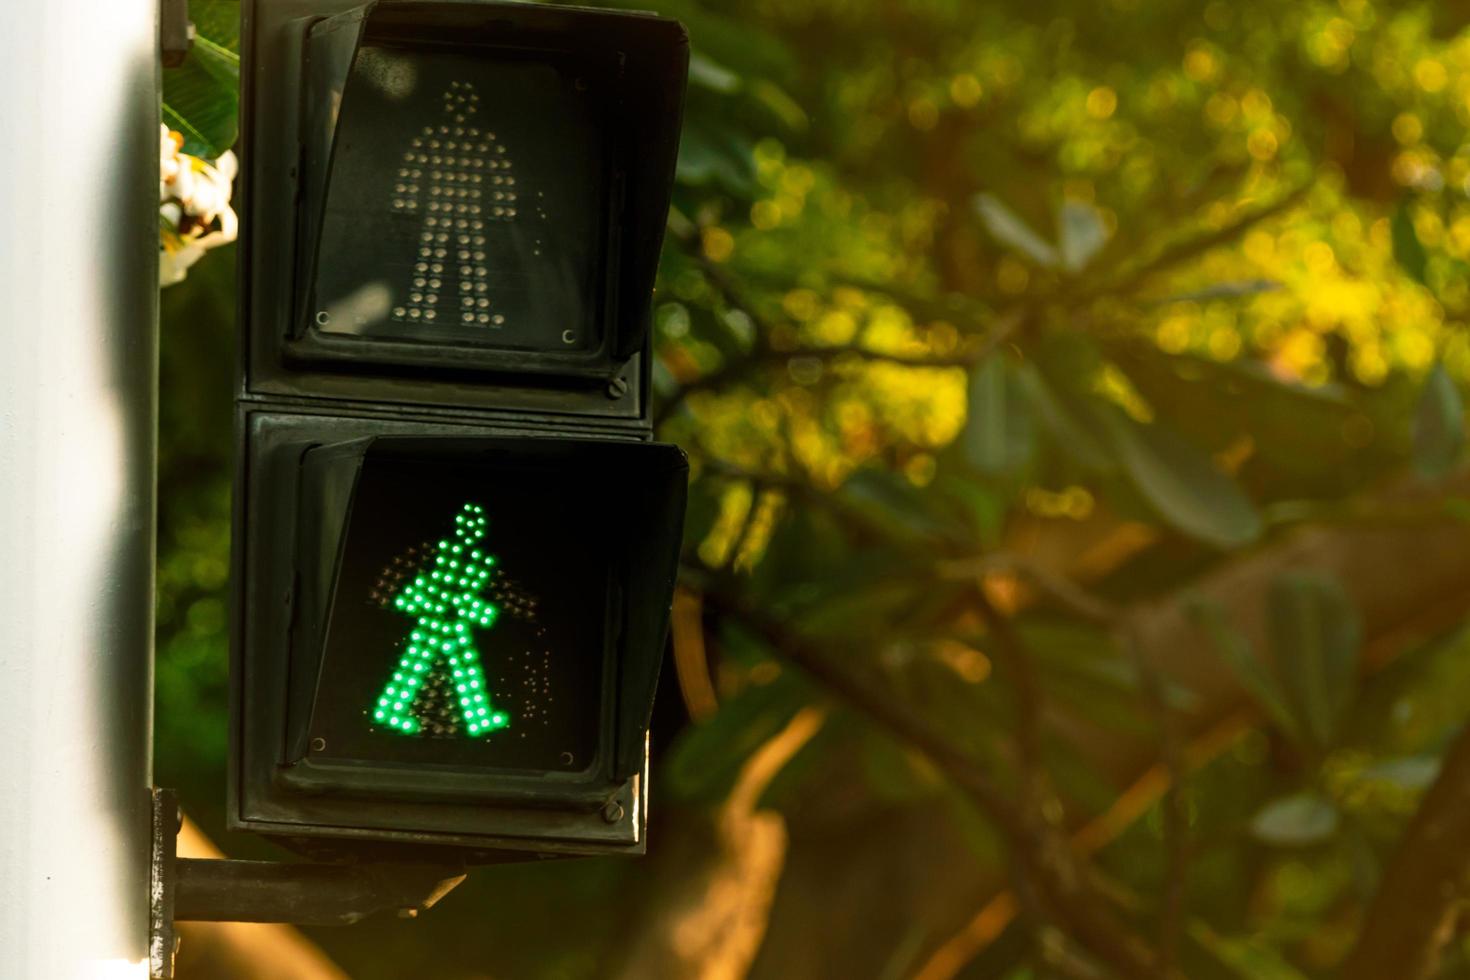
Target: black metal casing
[{"x": 315, "y": 411}]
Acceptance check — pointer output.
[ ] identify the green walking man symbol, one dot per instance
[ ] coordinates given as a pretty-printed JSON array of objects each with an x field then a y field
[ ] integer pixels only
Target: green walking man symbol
[{"x": 446, "y": 600}]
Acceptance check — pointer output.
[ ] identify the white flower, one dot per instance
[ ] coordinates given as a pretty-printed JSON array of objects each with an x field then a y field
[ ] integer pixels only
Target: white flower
[{"x": 194, "y": 205}]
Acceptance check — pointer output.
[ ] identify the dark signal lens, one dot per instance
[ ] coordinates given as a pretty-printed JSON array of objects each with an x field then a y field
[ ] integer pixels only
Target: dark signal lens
[
  {"x": 465, "y": 205},
  {"x": 468, "y": 626}
]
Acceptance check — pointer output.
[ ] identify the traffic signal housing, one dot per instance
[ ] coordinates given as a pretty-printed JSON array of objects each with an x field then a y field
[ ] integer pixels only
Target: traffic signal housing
[{"x": 455, "y": 543}]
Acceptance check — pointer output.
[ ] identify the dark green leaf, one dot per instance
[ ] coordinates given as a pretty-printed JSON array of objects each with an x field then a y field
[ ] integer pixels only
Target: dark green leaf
[
  {"x": 999, "y": 437},
  {"x": 1408, "y": 251},
  {"x": 1182, "y": 484},
  {"x": 1188, "y": 390},
  {"x": 891, "y": 503},
  {"x": 783, "y": 107},
  {"x": 1314, "y": 642},
  {"x": 1068, "y": 431},
  {"x": 201, "y": 97},
  {"x": 1253, "y": 674},
  {"x": 1439, "y": 425},
  {"x": 1223, "y": 290},
  {"x": 200, "y": 101},
  {"x": 711, "y": 154},
  {"x": 706, "y": 760},
  {"x": 1248, "y": 957},
  {"x": 216, "y": 21}
]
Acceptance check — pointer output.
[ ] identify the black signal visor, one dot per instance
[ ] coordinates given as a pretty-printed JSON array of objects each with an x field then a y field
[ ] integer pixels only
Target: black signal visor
[{"x": 484, "y": 184}]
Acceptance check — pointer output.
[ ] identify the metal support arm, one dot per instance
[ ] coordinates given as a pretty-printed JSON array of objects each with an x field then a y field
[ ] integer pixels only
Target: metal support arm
[
  {"x": 222, "y": 890},
  {"x": 305, "y": 894}
]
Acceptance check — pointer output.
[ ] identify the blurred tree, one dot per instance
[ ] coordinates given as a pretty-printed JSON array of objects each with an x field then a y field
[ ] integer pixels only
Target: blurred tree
[{"x": 1074, "y": 397}]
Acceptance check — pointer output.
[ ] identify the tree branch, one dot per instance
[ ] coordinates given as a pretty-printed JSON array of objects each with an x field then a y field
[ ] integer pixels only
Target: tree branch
[
  {"x": 1173, "y": 903},
  {"x": 1065, "y": 886},
  {"x": 1410, "y": 919},
  {"x": 736, "y": 370}
]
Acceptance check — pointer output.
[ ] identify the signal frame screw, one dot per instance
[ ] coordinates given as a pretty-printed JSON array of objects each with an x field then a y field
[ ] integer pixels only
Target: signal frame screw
[
  {"x": 318, "y": 744},
  {"x": 612, "y": 811},
  {"x": 617, "y": 387}
]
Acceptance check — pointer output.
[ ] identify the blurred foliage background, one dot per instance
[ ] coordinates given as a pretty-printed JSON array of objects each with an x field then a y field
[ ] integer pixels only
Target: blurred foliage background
[{"x": 1075, "y": 582}]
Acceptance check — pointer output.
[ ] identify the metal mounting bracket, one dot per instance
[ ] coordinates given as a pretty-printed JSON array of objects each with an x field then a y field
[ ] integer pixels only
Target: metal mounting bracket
[
  {"x": 220, "y": 890},
  {"x": 175, "y": 32}
]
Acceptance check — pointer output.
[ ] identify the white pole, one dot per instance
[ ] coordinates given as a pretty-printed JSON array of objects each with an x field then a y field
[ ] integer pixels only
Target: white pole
[{"x": 78, "y": 410}]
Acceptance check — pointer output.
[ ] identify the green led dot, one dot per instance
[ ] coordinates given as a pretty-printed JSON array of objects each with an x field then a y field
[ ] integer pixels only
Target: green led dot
[{"x": 445, "y": 597}]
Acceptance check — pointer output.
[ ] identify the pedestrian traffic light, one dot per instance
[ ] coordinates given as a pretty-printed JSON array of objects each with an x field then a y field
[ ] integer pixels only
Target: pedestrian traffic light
[{"x": 455, "y": 543}]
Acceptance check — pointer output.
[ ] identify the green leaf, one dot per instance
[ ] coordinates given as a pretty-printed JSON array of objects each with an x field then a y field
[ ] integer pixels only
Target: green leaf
[
  {"x": 706, "y": 72},
  {"x": 1408, "y": 251},
  {"x": 1314, "y": 642},
  {"x": 1231, "y": 646},
  {"x": 1249, "y": 957},
  {"x": 1300, "y": 820},
  {"x": 1439, "y": 425},
  {"x": 1412, "y": 772},
  {"x": 893, "y": 504},
  {"x": 999, "y": 437},
  {"x": 1068, "y": 431},
  {"x": 217, "y": 21},
  {"x": 705, "y": 761},
  {"x": 1182, "y": 484},
  {"x": 712, "y": 154},
  {"x": 787, "y": 111},
  {"x": 1189, "y": 391},
  {"x": 1006, "y": 227},
  {"x": 201, "y": 97},
  {"x": 1082, "y": 234},
  {"x": 1222, "y": 290}
]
